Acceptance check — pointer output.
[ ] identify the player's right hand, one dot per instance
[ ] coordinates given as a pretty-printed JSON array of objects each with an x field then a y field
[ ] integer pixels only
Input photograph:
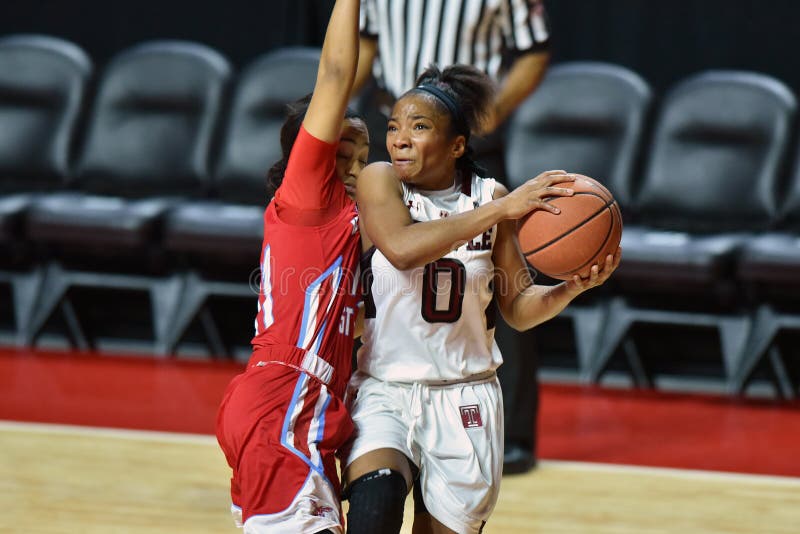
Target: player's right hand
[{"x": 532, "y": 194}]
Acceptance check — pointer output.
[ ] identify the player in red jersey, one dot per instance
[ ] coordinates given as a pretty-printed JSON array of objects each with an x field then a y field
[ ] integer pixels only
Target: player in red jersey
[{"x": 283, "y": 418}]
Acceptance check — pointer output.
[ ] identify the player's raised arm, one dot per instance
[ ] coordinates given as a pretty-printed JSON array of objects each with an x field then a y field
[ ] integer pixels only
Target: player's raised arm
[
  {"x": 337, "y": 69},
  {"x": 325, "y": 152}
]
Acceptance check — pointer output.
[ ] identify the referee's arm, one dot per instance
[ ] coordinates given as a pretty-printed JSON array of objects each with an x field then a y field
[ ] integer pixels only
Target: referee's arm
[
  {"x": 367, "y": 50},
  {"x": 526, "y": 28},
  {"x": 524, "y": 76}
]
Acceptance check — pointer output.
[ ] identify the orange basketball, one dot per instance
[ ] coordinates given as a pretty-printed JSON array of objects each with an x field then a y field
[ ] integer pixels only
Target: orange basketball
[{"x": 588, "y": 229}]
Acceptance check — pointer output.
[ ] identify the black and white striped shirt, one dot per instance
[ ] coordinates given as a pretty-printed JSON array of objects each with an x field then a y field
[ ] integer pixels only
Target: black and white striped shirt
[{"x": 412, "y": 34}]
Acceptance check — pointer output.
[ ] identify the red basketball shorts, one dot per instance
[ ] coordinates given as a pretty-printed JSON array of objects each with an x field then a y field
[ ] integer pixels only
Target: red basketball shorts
[{"x": 279, "y": 429}]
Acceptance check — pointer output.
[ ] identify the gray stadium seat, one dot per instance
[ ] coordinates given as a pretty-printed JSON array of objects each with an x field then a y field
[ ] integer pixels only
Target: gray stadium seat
[
  {"x": 219, "y": 241},
  {"x": 147, "y": 145},
  {"x": 589, "y": 118},
  {"x": 769, "y": 268},
  {"x": 708, "y": 185},
  {"x": 43, "y": 82},
  {"x": 586, "y": 117}
]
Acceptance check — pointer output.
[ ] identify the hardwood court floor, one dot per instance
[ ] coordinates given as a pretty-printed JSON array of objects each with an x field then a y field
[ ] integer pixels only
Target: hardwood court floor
[
  {"x": 168, "y": 475},
  {"x": 66, "y": 479}
]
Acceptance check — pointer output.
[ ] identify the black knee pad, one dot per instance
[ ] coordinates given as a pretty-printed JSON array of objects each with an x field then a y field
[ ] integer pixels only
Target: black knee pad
[{"x": 376, "y": 500}]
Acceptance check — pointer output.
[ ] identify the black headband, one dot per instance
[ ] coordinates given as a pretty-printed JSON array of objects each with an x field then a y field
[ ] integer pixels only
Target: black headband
[{"x": 452, "y": 106}]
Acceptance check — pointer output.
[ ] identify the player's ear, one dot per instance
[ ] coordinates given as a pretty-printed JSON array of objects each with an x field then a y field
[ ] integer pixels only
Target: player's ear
[{"x": 459, "y": 146}]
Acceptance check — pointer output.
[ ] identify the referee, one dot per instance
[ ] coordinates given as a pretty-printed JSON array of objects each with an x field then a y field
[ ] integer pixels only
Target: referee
[{"x": 507, "y": 39}]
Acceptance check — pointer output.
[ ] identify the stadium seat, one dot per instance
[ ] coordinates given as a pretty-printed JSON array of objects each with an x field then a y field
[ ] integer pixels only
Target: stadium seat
[
  {"x": 585, "y": 117},
  {"x": 219, "y": 240},
  {"x": 146, "y": 146},
  {"x": 43, "y": 83},
  {"x": 708, "y": 185},
  {"x": 588, "y": 118},
  {"x": 769, "y": 268}
]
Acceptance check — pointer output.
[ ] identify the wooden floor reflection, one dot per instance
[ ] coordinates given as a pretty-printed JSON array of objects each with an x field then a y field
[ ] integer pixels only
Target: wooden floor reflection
[{"x": 60, "y": 479}]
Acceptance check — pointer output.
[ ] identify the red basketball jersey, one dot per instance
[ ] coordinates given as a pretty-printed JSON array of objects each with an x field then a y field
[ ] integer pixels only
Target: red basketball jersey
[{"x": 309, "y": 281}]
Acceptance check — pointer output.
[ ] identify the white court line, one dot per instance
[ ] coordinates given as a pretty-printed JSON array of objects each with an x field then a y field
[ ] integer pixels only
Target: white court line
[
  {"x": 204, "y": 439},
  {"x": 671, "y": 471},
  {"x": 114, "y": 433}
]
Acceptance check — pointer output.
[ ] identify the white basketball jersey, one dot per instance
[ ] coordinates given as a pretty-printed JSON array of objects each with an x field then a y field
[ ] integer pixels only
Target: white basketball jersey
[{"x": 435, "y": 322}]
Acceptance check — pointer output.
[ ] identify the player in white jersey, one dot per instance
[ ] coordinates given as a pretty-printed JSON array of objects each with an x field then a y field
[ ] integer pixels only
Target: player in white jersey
[
  {"x": 446, "y": 303},
  {"x": 425, "y": 399}
]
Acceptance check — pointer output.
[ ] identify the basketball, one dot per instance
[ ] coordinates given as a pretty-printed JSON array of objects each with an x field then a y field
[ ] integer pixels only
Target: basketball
[{"x": 588, "y": 229}]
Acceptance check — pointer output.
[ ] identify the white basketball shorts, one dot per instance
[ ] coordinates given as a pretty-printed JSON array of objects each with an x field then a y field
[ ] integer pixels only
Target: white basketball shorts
[{"x": 453, "y": 433}]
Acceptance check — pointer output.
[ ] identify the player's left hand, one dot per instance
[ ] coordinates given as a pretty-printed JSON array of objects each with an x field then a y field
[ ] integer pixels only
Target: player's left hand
[{"x": 597, "y": 275}]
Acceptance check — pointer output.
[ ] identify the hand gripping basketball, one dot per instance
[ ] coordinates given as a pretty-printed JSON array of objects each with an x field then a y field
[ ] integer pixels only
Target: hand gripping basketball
[
  {"x": 535, "y": 193},
  {"x": 584, "y": 233}
]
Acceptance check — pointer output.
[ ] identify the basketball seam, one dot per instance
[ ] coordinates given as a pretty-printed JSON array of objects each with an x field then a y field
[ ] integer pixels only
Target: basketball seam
[
  {"x": 606, "y": 206},
  {"x": 605, "y": 241}
]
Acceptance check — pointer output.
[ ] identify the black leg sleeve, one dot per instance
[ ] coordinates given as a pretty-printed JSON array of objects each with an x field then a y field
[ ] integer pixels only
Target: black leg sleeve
[{"x": 376, "y": 500}]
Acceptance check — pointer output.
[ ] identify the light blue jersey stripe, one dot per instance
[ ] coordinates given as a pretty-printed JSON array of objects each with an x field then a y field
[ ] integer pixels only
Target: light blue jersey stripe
[
  {"x": 312, "y": 303},
  {"x": 288, "y": 424}
]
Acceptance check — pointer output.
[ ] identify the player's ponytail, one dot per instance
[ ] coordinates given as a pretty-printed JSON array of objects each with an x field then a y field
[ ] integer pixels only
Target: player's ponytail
[{"x": 467, "y": 95}]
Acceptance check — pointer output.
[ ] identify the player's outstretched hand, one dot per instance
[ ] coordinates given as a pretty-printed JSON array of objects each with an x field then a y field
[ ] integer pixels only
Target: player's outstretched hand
[
  {"x": 597, "y": 275},
  {"x": 532, "y": 194}
]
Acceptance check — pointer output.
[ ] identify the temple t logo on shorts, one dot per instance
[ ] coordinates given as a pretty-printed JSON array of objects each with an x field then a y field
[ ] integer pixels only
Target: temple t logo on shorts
[{"x": 471, "y": 416}]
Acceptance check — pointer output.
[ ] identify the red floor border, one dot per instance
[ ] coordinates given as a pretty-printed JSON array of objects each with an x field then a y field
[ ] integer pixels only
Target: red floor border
[{"x": 591, "y": 424}]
